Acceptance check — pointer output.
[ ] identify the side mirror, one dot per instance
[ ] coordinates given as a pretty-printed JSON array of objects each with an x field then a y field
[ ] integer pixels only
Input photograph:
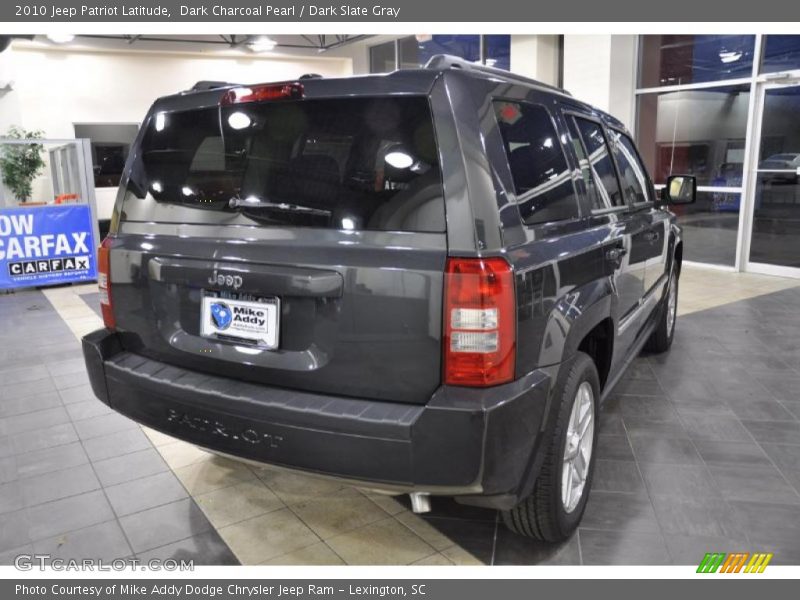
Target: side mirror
[{"x": 680, "y": 189}]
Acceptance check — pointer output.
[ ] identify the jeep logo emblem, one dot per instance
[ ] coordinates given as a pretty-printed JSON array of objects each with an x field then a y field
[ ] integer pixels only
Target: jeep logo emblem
[{"x": 233, "y": 281}]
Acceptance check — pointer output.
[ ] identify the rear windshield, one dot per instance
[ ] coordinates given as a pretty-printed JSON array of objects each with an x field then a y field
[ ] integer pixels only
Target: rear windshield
[{"x": 351, "y": 163}]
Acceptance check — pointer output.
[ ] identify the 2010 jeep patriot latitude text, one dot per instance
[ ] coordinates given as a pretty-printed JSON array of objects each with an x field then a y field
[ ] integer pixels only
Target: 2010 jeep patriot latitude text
[{"x": 423, "y": 282}]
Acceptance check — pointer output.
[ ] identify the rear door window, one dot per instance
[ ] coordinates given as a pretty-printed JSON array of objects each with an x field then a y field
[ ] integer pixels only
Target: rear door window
[
  {"x": 635, "y": 182},
  {"x": 349, "y": 163},
  {"x": 597, "y": 149},
  {"x": 542, "y": 178}
]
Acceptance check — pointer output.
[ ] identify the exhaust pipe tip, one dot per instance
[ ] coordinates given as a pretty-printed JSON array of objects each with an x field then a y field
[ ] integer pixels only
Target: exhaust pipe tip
[{"x": 420, "y": 503}]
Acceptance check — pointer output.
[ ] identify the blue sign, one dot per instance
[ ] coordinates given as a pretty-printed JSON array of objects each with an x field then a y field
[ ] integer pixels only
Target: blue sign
[{"x": 46, "y": 245}]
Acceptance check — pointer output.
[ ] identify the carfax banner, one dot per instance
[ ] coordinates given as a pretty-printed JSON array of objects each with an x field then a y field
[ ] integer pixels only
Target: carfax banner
[{"x": 46, "y": 245}]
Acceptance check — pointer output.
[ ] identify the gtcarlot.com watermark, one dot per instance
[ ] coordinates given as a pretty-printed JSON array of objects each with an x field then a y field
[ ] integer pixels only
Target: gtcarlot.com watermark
[{"x": 41, "y": 562}]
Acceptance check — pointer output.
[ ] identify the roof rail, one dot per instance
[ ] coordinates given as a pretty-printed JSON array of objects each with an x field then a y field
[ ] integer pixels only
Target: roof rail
[
  {"x": 441, "y": 62},
  {"x": 202, "y": 86},
  {"x": 310, "y": 76}
]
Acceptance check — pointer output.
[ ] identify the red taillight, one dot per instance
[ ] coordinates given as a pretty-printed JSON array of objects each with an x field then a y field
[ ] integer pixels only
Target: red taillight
[
  {"x": 104, "y": 283},
  {"x": 260, "y": 93},
  {"x": 480, "y": 322}
]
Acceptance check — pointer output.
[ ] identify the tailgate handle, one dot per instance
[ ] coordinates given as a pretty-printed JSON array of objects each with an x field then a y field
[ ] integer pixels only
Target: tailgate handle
[{"x": 269, "y": 280}]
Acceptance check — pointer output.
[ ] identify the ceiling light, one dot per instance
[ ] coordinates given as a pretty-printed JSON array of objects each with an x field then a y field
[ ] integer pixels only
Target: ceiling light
[
  {"x": 730, "y": 56},
  {"x": 161, "y": 121},
  {"x": 399, "y": 160},
  {"x": 60, "y": 38},
  {"x": 261, "y": 44}
]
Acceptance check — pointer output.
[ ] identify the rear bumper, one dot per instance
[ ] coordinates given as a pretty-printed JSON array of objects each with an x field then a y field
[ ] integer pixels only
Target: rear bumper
[{"x": 474, "y": 443}]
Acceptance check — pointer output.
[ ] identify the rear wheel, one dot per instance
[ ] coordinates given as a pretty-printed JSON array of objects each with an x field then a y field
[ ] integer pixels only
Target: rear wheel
[
  {"x": 661, "y": 338},
  {"x": 554, "y": 509}
]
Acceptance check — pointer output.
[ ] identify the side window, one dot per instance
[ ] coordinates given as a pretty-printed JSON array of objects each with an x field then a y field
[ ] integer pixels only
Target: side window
[
  {"x": 594, "y": 140},
  {"x": 634, "y": 177},
  {"x": 597, "y": 196},
  {"x": 542, "y": 178}
]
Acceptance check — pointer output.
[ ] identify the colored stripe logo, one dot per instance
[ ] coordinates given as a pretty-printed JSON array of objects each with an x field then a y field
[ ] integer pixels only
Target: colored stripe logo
[{"x": 737, "y": 562}]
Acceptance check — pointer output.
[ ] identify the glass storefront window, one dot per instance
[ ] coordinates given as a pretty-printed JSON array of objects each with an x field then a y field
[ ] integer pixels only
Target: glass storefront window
[
  {"x": 682, "y": 59},
  {"x": 381, "y": 58},
  {"x": 781, "y": 53},
  {"x": 498, "y": 51},
  {"x": 696, "y": 132},
  {"x": 416, "y": 50},
  {"x": 776, "y": 211},
  {"x": 710, "y": 227}
]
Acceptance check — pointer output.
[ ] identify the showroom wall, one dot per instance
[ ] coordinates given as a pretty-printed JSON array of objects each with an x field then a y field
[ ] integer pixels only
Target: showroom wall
[{"x": 601, "y": 70}]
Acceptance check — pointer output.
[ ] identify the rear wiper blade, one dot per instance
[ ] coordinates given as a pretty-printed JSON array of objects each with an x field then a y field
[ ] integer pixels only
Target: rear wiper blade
[{"x": 254, "y": 203}]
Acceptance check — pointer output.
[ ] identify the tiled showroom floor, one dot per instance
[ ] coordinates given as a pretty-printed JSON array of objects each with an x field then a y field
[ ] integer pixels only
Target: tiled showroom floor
[{"x": 699, "y": 451}]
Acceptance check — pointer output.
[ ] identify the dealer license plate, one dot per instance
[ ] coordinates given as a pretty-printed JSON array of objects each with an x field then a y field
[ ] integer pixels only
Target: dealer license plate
[{"x": 252, "y": 321}]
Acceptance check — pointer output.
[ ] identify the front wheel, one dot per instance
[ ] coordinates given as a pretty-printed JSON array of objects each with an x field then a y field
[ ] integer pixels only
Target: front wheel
[
  {"x": 554, "y": 509},
  {"x": 661, "y": 338}
]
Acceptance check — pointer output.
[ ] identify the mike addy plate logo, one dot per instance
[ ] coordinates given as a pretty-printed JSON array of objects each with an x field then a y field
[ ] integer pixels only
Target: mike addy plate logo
[{"x": 223, "y": 316}]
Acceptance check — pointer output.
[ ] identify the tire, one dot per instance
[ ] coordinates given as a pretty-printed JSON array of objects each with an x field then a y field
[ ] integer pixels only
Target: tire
[
  {"x": 547, "y": 514},
  {"x": 661, "y": 338}
]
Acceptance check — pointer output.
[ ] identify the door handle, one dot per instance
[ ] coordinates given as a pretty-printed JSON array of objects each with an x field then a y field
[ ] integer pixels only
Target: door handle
[
  {"x": 652, "y": 236},
  {"x": 615, "y": 255}
]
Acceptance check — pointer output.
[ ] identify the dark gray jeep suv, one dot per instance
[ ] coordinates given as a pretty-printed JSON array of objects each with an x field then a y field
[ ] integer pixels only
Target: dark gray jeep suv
[{"x": 423, "y": 282}]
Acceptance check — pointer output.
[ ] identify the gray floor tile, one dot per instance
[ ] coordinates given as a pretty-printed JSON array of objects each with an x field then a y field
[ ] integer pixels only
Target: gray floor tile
[
  {"x": 793, "y": 408},
  {"x": 38, "y": 420},
  {"x": 617, "y": 476},
  {"x": 785, "y": 456},
  {"x": 49, "y": 460},
  {"x": 782, "y": 387},
  {"x": 103, "y": 425},
  {"x": 163, "y": 525},
  {"x": 19, "y": 406},
  {"x": 81, "y": 393},
  {"x": 600, "y": 547},
  {"x": 689, "y": 550},
  {"x": 87, "y": 409},
  {"x": 49, "y": 437},
  {"x": 760, "y": 410},
  {"x": 775, "y": 522},
  {"x": 716, "y": 428},
  {"x": 28, "y": 388},
  {"x": 611, "y": 424},
  {"x": 699, "y": 516},
  {"x": 204, "y": 549},
  {"x": 61, "y": 484},
  {"x": 756, "y": 484},
  {"x": 14, "y": 530},
  {"x": 779, "y": 432},
  {"x": 116, "y": 444},
  {"x": 70, "y": 380},
  {"x": 66, "y": 367},
  {"x": 23, "y": 374},
  {"x": 681, "y": 481},
  {"x": 130, "y": 466},
  {"x": 7, "y": 557},
  {"x": 732, "y": 453},
  {"x": 68, "y": 514},
  {"x": 613, "y": 447},
  {"x": 639, "y": 387},
  {"x": 619, "y": 512},
  {"x": 104, "y": 541},
  {"x": 11, "y": 498},
  {"x": 657, "y": 408},
  {"x": 665, "y": 450},
  {"x": 513, "y": 549},
  {"x": 147, "y": 492},
  {"x": 650, "y": 428}
]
